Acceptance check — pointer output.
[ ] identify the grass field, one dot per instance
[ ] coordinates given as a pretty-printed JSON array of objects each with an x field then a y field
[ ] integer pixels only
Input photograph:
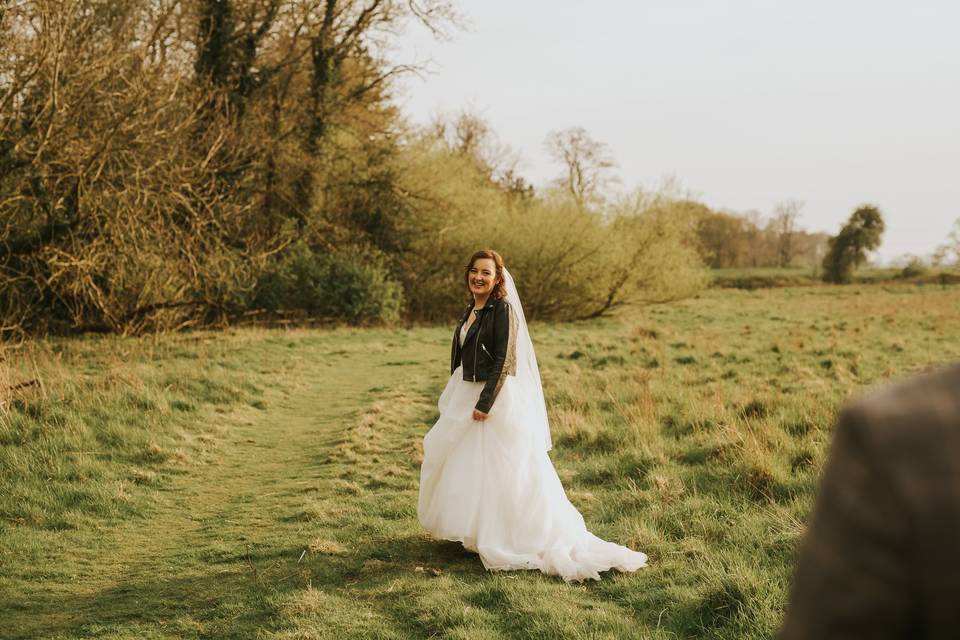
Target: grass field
[
  {"x": 262, "y": 483},
  {"x": 771, "y": 277}
]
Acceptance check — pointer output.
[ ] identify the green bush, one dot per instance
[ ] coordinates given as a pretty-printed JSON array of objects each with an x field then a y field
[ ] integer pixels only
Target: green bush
[
  {"x": 848, "y": 249},
  {"x": 353, "y": 285},
  {"x": 913, "y": 269}
]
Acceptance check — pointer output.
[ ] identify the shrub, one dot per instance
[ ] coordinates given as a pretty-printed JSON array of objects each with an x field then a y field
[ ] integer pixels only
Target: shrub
[
  {"x": 353, "y": 285},
  {"x": 913, "y": 269},
  {"x": 576, "y": 263}
]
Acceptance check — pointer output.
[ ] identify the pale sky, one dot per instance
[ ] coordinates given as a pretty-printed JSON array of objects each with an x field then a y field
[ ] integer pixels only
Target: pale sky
[{"x": 747, "y": 103}]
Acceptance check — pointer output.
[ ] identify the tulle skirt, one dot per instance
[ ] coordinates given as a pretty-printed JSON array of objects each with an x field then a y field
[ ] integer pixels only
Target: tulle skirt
[{"x": 491, "y": 486}]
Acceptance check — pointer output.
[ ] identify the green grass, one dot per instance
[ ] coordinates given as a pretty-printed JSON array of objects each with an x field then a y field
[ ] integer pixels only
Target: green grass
[{"x": 263, "y": 483}]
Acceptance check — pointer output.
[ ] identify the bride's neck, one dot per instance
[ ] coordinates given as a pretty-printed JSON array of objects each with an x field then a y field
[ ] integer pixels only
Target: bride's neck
[{"x": 479, "y": 302}]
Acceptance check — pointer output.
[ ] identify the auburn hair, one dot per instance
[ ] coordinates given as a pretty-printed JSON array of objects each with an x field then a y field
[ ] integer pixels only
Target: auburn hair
[{"x": 500, "y": 288}]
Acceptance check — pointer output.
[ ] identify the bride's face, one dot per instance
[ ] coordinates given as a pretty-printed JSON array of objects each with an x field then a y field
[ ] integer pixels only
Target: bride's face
[{"x": 482, "y": 276}]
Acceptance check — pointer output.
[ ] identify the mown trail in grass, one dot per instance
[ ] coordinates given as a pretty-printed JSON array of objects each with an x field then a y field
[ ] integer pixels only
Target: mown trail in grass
[
  {"x": 694, "y": 432},
  {"x": 221, "y": 544}
]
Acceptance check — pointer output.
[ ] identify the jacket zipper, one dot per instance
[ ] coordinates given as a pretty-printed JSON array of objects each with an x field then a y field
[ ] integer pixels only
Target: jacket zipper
[{"x": 485, "y": 351}]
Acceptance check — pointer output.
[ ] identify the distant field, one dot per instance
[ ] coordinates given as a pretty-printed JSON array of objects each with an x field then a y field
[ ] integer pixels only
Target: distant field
[
  {"x": 262, "y": 483},
  {"x": 772, "y": 277}
]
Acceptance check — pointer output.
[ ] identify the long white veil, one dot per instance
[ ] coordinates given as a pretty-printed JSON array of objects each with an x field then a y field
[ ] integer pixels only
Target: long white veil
[{"x": 528, "y": 384}]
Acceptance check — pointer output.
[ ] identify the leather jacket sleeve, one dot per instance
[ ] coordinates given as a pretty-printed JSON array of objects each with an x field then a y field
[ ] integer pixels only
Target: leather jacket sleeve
[{"x": 504, "y": 355}]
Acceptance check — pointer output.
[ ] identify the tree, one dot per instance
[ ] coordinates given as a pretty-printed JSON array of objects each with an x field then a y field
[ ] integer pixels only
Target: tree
[
  {"x": 587, "y": 163},
  {"x": 848, "y": 249},
  {"x": 784, "y": 228},
  {"x": 723, "y": 241},
  {"x": 468, "y": 134},
  {"x": 157, "y": 158},
  {"x": 949, "y": 252}
]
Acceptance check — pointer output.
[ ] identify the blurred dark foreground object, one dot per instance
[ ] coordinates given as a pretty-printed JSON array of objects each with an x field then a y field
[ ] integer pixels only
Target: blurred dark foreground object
[{"x": 881, "y": 555}]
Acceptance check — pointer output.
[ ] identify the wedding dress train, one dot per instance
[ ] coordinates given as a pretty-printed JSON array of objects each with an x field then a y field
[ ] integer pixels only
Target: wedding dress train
[{"x": 492, "y": 486}]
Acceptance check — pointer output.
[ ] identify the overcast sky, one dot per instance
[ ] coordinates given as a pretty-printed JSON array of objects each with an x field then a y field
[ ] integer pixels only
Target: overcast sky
[{"x": 747, "y": 103}]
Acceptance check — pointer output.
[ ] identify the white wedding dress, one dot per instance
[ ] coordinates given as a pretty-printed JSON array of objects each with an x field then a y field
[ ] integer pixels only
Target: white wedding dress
[{"x": 491, "y": 485}]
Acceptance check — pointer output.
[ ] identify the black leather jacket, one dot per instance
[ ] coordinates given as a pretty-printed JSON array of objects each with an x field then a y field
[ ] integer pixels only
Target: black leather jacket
[{"x": 489, "y": 351}]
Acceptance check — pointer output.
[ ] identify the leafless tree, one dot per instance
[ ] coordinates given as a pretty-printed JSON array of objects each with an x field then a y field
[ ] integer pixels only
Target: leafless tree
[
  {"x": 949, "y": 251},
  {"x": 784, "y": 228},
  {"x": 468, "y": 134},
  {"x": 587, "y": 163}
]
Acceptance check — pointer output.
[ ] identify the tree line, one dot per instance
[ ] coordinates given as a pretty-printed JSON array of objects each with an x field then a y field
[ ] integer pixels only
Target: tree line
[
  {"x": 731, "y": 240},
  {"x": 176, "y": 163}
]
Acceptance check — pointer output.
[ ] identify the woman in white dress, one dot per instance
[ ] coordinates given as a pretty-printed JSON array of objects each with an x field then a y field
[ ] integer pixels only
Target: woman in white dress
[{"x": 486, "y": 479}]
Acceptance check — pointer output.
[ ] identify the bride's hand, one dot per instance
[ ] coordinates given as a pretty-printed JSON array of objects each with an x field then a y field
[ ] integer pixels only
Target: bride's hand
[{"x": 479, "y": 415}]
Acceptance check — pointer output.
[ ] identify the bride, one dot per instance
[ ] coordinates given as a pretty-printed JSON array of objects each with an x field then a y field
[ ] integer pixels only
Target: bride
[{"x": 486, "y": 479}]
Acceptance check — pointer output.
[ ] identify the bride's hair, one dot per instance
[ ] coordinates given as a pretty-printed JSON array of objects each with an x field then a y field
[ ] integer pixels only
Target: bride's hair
[{"x": 499, "y": 289}]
